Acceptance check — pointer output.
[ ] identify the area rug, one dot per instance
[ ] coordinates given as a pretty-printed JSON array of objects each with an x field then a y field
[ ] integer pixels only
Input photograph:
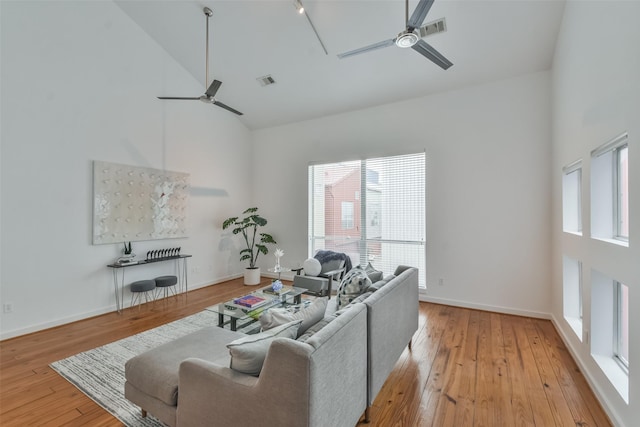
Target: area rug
[{"x": 99, "y": 373}]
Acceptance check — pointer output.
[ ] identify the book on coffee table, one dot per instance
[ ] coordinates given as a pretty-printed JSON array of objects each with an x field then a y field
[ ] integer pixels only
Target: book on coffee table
[
  {"x": 285, "y": 290},
  {"x": 250, "y": 301}
]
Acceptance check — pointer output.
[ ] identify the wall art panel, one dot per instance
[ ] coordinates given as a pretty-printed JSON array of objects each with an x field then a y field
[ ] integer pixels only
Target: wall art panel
[{"x": 132, "y": 203}]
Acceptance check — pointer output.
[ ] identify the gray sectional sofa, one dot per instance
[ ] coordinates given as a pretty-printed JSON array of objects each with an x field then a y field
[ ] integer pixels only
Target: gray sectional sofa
[{"x": 328, "y": 376}]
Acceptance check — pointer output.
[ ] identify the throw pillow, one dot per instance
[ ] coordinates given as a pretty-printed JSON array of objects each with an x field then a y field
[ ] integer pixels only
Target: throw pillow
[
  {"x": 354, "y": 283},
  {"x": 374, "y": 275},
  {"x": 311, "y": 267},
  {"x": 248, "y": 353},
  {"x": 308, "y": 315}
]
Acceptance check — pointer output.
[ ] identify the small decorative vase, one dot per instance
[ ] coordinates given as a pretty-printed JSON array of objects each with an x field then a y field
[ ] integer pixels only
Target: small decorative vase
[{"x": 276, "y": 285}]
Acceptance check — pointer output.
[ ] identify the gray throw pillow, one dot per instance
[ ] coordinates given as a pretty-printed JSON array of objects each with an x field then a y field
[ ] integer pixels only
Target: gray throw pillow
[
  {"x": 355, "y": 282},
  {"x": 308, "y": 315},
  {"x": 248, "y": 353},
  {"x": 374, "y": 275}
]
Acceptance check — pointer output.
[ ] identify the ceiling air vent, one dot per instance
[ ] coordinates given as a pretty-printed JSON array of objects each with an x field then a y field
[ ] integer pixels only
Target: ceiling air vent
[
  {"x": 266, "y": 80},
  {"x": 434, "y": 27}
]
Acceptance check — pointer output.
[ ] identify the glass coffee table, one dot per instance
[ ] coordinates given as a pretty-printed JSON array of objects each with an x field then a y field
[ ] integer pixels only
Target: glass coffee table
[{"x": 240, "y": 317}]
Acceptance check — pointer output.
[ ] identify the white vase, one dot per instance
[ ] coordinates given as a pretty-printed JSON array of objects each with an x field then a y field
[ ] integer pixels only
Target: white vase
[{"x": 252, "y": 276}]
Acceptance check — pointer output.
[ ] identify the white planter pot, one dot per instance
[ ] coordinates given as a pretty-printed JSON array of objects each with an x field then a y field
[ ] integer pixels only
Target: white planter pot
[{"x": 252, "y": 276}]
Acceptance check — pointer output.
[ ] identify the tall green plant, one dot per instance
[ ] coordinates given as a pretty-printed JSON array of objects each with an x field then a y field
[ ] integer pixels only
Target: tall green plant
[{"x": 248, "y": 227}]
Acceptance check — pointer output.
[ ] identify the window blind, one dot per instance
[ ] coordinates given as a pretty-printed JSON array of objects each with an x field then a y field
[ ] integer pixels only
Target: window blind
[{"x": 374, "y": 210}]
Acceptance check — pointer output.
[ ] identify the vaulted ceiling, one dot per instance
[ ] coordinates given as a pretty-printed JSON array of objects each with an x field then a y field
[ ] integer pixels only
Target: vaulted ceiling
[{"x": 485, "y": 40}]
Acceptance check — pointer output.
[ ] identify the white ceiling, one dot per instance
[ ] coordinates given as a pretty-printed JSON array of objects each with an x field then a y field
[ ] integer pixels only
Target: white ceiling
[{"x": 485, "y": 40}]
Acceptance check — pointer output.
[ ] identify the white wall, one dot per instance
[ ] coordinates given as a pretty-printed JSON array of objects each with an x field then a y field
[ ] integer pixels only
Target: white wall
[
  {"x": 488, "y": 155},
  {"x": 596, "y": 96},
  {"x": 79, "y": 83}
]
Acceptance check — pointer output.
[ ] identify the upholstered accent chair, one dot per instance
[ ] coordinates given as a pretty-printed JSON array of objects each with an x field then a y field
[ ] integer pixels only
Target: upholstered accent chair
[{"x": 333, "y": 265}]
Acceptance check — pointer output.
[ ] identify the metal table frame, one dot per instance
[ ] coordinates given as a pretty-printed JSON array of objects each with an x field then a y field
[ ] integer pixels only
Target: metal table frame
[{"x": 118, "y": 285}]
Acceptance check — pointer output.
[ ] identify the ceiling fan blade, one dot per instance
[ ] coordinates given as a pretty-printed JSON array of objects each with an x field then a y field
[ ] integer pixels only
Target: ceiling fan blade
[
  {"x": 371, "y": 47},
  {"x": 213, "y": 88},
  {"x": 179, "y": 98},
  {"x": 226, "y": 107},
  {"x": 426, "y": 50},
  {"x": 418, "y": 15}
]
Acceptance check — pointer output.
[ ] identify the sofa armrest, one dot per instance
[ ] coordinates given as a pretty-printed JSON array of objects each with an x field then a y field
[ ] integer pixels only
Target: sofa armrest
[{"x": 213, "y": 395}]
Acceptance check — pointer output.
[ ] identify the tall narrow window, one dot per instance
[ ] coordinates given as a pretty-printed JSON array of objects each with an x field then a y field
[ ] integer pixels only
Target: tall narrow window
[
  {"x": 621, "y": 313},
  {"x": 622, "y": 193},
  {"x": 572, "y": 293},
  {"x": 373, "y": 210},
  {"x": 610, "y": 191},
  {"x": 572, "y": 198}
]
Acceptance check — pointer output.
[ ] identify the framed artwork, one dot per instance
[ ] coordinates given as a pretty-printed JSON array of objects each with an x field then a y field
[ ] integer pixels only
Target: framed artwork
[{"x": 132, "y": 203}]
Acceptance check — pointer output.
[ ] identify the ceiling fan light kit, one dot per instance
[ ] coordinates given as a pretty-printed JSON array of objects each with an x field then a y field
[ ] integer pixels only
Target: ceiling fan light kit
[
  {"x": 209, "y": 95},
  {"x": 407, "y": 39}
]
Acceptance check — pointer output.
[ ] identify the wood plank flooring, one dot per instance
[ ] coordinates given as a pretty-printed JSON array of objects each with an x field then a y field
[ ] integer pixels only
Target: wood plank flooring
[{"x": 465, "y": 368}]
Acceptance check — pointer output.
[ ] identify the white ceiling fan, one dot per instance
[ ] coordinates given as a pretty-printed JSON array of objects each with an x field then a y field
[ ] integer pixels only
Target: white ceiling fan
[
  {"x": 410, "y": 37},
  {"x": 209, "y": 96}
]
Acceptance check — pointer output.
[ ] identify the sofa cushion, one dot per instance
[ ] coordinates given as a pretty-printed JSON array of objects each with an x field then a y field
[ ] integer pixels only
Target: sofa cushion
[
  {"x": 248, "y": 353},
  {"x": 309, "y": 315},
  {"x": 155, "y": 372},
  {"x": 315, "y": 328},
  {"x": 354, "y": 283},
  {"x": 359, "y": 298}
]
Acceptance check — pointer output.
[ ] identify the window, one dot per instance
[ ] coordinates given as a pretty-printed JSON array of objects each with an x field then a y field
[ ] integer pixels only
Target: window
[
  {"x": 373, "y": 210},
  {"x": 610, "y": 330},
  {"x": 610, "y": 191},
  {"x": 622, "y": 192},
  {"x": 621, "y": 335},
  {"x": 572, "y": 198},
  {"x": 572, "y": 293},
  {"x": 347, "y": 215}
]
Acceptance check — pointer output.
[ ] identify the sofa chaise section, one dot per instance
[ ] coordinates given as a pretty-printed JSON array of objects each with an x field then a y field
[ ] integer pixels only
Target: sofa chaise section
[{"x": 316, "y": 383}]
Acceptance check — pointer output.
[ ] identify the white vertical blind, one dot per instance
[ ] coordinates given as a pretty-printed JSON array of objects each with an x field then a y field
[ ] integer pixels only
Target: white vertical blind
[{"x": 386, "y": 199}]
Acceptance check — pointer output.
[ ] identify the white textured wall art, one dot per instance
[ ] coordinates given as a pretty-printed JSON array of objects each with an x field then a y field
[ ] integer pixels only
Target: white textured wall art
[{"x": 132, "y": 203}]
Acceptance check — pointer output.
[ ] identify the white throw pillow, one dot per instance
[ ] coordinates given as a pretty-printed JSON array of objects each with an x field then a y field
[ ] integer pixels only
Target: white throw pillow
[
  {"x": 309, "y": 316},
  {"x": 311, "y": 267},
  {"x": 248, "y": 353}
]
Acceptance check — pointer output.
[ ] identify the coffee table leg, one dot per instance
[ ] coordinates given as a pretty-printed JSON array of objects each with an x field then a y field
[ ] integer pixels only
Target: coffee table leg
[
  {"x": 220, "y": 320},
  {"x": 297, "y": 299},
  {"x": 233, "y": 324}
]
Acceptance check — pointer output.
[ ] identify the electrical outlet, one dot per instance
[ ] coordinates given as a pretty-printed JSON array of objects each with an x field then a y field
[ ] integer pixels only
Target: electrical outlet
[
  {"x": 7, "y": 307},
  {"x": 441, "y": 281}
]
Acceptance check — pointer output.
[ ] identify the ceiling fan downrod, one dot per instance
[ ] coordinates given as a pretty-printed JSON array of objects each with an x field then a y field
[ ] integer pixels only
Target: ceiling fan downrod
[{"x": 208, "y": 12}]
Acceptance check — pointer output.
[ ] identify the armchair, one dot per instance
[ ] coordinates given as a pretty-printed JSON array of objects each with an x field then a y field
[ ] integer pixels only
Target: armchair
[{"x": 333, "y": 265}]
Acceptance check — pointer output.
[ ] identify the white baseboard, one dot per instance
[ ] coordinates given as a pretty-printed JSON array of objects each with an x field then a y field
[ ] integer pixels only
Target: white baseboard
[
  {"x": 484, "y": 307},
  {"x": 4, "y": 335},
  {"x": 597, "y": 390},
  {"x": 57, "y": 322}
]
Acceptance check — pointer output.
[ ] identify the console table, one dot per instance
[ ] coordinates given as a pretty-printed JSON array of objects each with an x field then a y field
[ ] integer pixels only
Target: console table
[{"x": 118, "y": 285}]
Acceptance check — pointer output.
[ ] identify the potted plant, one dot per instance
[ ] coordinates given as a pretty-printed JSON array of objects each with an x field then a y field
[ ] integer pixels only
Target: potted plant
[{"x": 256, "y": 243}]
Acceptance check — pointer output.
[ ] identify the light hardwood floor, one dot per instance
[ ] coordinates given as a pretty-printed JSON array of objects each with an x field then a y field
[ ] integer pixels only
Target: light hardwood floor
[{"x": 465, "y": 368}]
